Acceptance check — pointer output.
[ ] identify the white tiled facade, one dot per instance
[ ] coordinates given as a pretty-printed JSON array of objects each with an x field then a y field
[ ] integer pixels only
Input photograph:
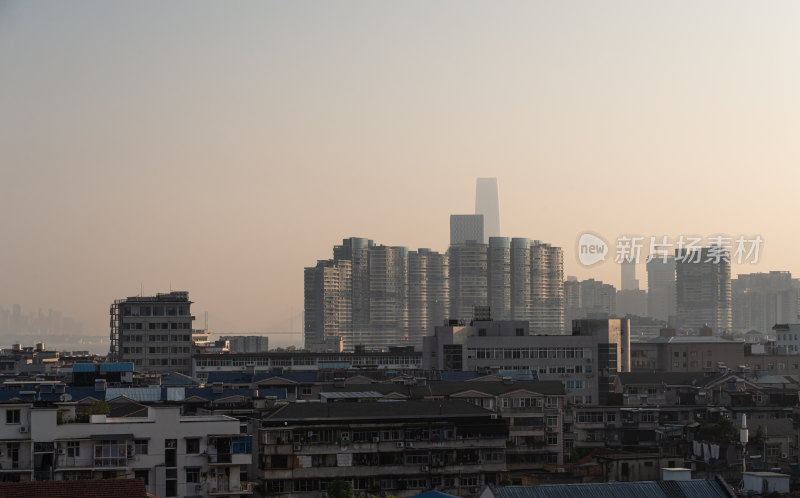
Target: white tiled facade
[{"x": 177, "y": 455}]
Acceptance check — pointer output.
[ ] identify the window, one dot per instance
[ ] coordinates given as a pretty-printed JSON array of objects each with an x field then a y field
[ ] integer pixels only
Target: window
[
  {"x": 192, "y": 475},
  {"x": 241, "y": 445},
  {"x": 520, "y": 332},
  {"x": 143, "y": 474},
  {"x": 305, "y": 391},
  {"x": 12, "y": 416},
  {"x": 110, "y": 453},
  {"x": 552, "y": 439},
  {"x": 140, "y": 446},
  {"x": 192, "y": 448},
  {"x": 171, "y": 453},
  {"x": 73, "y": 448}
]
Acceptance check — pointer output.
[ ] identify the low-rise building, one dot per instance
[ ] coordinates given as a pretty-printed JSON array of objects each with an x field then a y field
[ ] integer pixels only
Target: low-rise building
[
  {"x": 398, "y": 448},
  {"x": 176, "y": 455},
  {"x": 586, "y": 362}
]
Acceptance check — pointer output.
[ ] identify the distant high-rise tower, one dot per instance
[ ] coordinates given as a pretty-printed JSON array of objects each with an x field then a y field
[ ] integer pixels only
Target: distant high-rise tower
[
  {"x": 467, "y": 279},
  {"x": 547, "y": 288},
  {"x": 630, "y": 299},
  {"x": 488, "y": 204},
  {"x": 388, "y": 296},
  {"x": 628, "y": 271},
  {"x": 465, "y": 227},
  {"x": 499, "y": 277},
  {"x": 428, "y": 295},
  {"x": 760, "y": 300},
  {"x": 703, "y": 289},
  {"x": 328, "y": 302},
  {"x": 356, "y": 250},
  {"x": 661, "y": 288}
]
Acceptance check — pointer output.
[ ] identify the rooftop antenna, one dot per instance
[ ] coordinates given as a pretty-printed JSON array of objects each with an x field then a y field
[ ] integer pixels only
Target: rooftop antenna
[{"x": 206, "y": 325}]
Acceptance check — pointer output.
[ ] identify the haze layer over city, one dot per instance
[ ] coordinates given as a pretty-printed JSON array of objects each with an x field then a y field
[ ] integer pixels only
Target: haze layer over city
[{"x": 222, "y": 148}]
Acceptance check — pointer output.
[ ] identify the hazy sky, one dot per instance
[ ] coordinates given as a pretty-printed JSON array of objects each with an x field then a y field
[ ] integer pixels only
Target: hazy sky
[{"x": 220, "y": 147}]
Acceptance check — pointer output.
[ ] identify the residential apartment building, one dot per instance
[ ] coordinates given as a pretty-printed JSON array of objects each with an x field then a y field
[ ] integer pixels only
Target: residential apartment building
[
  {"x": 428, "y": 293},
  {"x": 547, "y": 288},
  {"x": 388, "y": 297},
  {"x": 176, "y": 455},
  {"x": 154, "y": 333},
  {"x": 356, "y": 251},
  {"x": 397, "y": 448},
  {"x": 499, "y": 279},
  {"x": 534, "y": 411},
  {"x": 375, "y": 296},
  {"x": 396, "y": 359},
  {"x": 703, "y": 289}
]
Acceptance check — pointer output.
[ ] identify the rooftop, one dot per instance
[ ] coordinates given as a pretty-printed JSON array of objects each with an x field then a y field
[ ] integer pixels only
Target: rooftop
[
  {"x": 384, "y": 410},
  {"x": 94, "y": 488},
  {"x": 700, "y": 488}
]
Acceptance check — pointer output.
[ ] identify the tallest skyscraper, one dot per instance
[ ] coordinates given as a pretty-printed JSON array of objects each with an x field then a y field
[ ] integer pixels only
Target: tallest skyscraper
[{"x": 487, "y": 204}]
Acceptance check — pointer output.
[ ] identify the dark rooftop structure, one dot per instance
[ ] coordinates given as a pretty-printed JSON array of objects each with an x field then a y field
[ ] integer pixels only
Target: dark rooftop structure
[
  {"x": 91, "y": 488},
  {"x": 700, "y": 488}
]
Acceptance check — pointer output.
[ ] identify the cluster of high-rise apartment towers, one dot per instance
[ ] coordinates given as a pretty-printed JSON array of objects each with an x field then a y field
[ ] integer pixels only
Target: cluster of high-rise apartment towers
[{"x": 378, "y": 296}]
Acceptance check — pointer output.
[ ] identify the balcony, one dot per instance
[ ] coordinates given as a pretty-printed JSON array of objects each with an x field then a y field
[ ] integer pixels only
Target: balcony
[
  {"x": 225, "y": 489},
  {"x": 14, "y": 467},
  {"x": 230, "y": 458}
]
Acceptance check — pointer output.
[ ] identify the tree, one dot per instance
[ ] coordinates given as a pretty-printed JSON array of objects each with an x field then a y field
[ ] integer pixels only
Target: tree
[
  {"x": 340, "y": 488},
  {"x": 722, "y": 431},
  {"x": 99, "y": 408}
]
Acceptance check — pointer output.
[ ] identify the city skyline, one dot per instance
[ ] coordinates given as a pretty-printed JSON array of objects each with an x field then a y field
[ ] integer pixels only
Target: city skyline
[{"x": 201, "y": 150}]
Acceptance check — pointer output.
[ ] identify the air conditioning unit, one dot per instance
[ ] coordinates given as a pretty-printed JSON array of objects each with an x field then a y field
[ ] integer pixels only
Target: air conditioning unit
[
  {"x": 400, "y": 444},
  {"x": 297, "y": 447},
  {"x": 409, "y": 445},
  {"x": 424, "y": 468},
  {"x": 23, "y": 429},
  {"x": 376, "y": 440},
  {"x": 62, "y": 451},
  {"x": 784, "y": 455},
  {"x": 213, "y": 489}
]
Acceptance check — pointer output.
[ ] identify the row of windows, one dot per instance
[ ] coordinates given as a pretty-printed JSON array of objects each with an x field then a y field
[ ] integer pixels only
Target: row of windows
[
  {"x": 157, "y": 350},
  {"x": 158, "y": 326},
  {"x": 309, "y": 485},
  {"x": 693, "y": 354},
  {"x": 155, "y": 362},
  {"x": 266, "y": 362},
  {"x": 155, "y": 311},
  {"x": 158, "y": 338},
  {"x": 527, "y": 353}
]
